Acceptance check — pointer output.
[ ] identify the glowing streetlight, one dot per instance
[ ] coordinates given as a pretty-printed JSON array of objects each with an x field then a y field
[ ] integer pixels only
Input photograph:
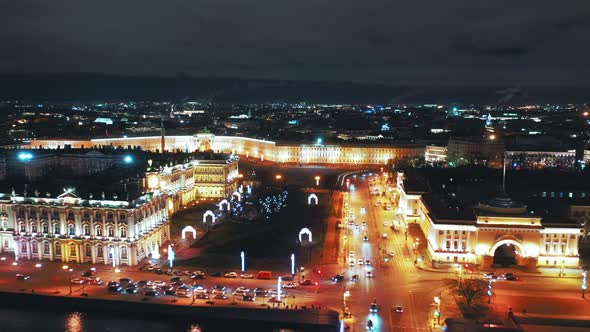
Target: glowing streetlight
[
  {"x": 278, "y": 176},
  {"x": 317, "y": 180},
  {"x": 25, "y": 156},
  {"x": 492, "y": 137},
  {"x": 128, "y": 159},
  {"x": 293, "y": 264},
  {"x": 243, "y": 261},
  {"x": 113, "y": 257},
  {"x": 279, "y": 289},
  {"x": 171, "y": 255}
]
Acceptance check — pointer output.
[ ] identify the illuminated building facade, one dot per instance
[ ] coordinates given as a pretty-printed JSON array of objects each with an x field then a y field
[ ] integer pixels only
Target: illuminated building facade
[
  {"x": 70, "y": 229},
  {"x": 254, "y": 148},
  {"x": 540, "y": 159},
  {"x": 435, "y": 153},
  {"x": 479, "y": 234},
  {"x": 186, "y": 183}
]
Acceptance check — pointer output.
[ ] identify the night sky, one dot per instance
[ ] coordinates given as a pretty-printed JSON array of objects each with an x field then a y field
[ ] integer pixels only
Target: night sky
[{"x": 413, "y": 42}]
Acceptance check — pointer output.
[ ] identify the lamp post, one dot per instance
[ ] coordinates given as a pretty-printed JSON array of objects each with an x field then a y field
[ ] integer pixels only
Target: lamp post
[
  {"x": 243, "y": 261},
  {"x": 279, "y": 289},
  {"x": 112, "y": 250},
  {"x": 293, "y": 264},
  {"x": 70, "y": 275},
  {"x": 437, "y": 311},
  {"x": 490, "y": 290},
  {"x": 317, "y": 180},
  {"x": 171, "y": 255},
  {"x": 584, "y": 284}
]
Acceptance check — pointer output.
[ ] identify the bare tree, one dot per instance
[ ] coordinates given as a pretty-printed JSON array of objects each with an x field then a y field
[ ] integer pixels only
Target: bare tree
[{"x": 469, "y": 288}]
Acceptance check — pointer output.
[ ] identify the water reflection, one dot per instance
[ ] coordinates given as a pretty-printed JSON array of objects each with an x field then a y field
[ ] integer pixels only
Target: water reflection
[{"x": 74, "y": 322}]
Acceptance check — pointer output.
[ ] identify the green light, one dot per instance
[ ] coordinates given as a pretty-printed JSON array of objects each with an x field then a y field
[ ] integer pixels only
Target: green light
[
  {"x": 436, "y": 313},
  {"x": 386, "y": 259}
]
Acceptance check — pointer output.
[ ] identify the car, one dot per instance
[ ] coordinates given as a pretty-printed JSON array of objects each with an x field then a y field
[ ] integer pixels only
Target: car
[
  {"x": 219, "y": 287},
  {"x": 386, "y": 224},
  {"x": 367, "y": 262},
  {"x": 351, "y": 253},
  {"x": 248, "y": 298},
  {"x": 198, "y": 273},
  {"x": 373, "y": 308},
  {"x": 290, "y": 285},
  {"x": 287, "y": 277},
  {"x": 391, "y": 253},
  {"x": 217, "y": 291},
  {"x": 273, "y": 293},
  {"x": 384, "y": 235},
  {"x": 338, "y": 278},
  {"x": 89, "y": 273},
  {"x": 94, "y": 280},
  {"x": 159, "y": 283},
  {"x": 370, "y": 274},
  {"x": 360, "y": 261},
  {"x": 364, "y": 224},
  {"x": 202, "y": 296},
  {"x": 78, "y": 281},
  {"x": 387, "y": 207},
  {"x": 113, "y": 283},
  {"x": 198, "y": 276},
  {"x": 159, "y": 271},
  {"x": 510, "y": 276},
  {"x": 351, "y": 263},
  {"x": 247, "y": 276},
  {"x": 169, "y": 272},
  {"x": 125, "y": 281},
  {"x": 241, "y": 290},
  {"x": 115, "y": 289},
  {"x": 151, "y": 267},
  {"x": 260, "y": 291},
  {"x": 170, "y": 291},
  {"x": 144, "y": 283},
  {"x": 199, "y": 288},
  {"x": 355, "y": 278},
  {"x": 131, "y": 290},
  {"x": 175, "y": 279},
  {"x": 366, "y": 238},
  {"x": 220, "y": 297},
  {"x": 490, "y": 275},
  {"x": 363, "y": 210},
  {"x": 356, "y": 226},
  {"x": 151, "y": 293},
  {"x": 306, "y": 282},
  {"x": 231, "y": 275},
  {"x": 22, "y": 277},
  {"x": 399, "y": 309}
]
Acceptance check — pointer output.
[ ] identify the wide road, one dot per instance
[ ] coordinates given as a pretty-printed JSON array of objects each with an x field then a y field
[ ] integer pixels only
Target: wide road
[{"x": 396, "y": 282}]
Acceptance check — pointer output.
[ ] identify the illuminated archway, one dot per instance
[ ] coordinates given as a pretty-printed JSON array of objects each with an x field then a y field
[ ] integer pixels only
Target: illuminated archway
[
  {"x": 238, "y": 195},
  {"x": 509, "y": 242},
  {"x": 305, "y": 231},
  {"x": 209, "y": 213},
  {"x": 224, "y": 202},
  {"x": 312, "y": 197},
  {"x": 189, "y": 229}
]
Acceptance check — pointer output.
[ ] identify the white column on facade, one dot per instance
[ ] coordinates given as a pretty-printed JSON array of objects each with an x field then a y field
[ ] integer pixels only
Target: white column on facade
[
  {"x": 468, "y": 246},
  {"x": 93, "y": 253}
]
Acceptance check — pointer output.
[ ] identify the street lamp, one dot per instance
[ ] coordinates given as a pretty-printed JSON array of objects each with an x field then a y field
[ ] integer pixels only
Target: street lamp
[
  {"x": 243, "y": 261},
  {"x": 112, "y": 250},
  {"x": 490, "y": 290},
  {"x": 317, "y": 180},
  {"x": 279, "y": 290},
  {"x": 584, "y": 284},
  {"x": 171, "y": 255},
  {"x": 293, "y": 264},
  {"x": 437, "y": 311}
]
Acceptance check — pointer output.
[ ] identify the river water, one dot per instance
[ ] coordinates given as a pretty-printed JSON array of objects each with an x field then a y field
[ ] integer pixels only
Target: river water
[{"x": 28, "y": 320}]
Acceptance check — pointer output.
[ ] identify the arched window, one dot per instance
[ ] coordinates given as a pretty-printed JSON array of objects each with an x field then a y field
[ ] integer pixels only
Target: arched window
[
  {"x": 71, "y": 230},
  {"x": 86, "y": 230},
  {"x": 99, "y": 251},
  {"x": 73, "y": 249},
  {"x": 110, "y": 253},
  {"x": 23, "y": 247},
  {"x": 21, "y": 227},
  {"x": 122, "y": 232},
  {"x": 34, "y": 247},
  {"x": 97, "y": 217},
  {"x": 70, "y": 215},
  {"x": 110, "y": 231},
  {"x": 45, "y": 248},
  {"x": 98, "y": 231},
  {"x": 56, "y": 229},
  {"x": 87, "y": 250},
  {"x": 45, "y": 228},
  {"x": 6, "y": 244},
  {"x": 33, "y": 227},
  {"x": 123, "y": 252},
  {"x": 58, "y": 248}
]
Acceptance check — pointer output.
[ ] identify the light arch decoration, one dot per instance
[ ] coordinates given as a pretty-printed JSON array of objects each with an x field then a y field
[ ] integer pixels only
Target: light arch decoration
[
  {"x": 224, "y": 202},
  {"x": 235, "y": 193},
  {"x": 209, "y": 214},
  {"x": 312, "y": 197},
  {"x": 305, "y": 230},
  {"x": 189, "y": 229},
  {"x": 512, "y": 242}
]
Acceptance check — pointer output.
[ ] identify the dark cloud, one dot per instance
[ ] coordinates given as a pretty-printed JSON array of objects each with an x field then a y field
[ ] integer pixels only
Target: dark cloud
[{"x": 424, "y": 42}]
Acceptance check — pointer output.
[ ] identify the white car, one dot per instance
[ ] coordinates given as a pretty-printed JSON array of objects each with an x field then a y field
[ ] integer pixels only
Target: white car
[
  {"x": 351, "y": 254},
  {"x": 247, "y": 276},
  {"x": 363, "y": 210},
  {"x": 159, "y": 283},
  {"x": 78, "y": 281},
  {"x": 370, "y": 274},
  {"x": 351, "y": 263},
  {"x": 290, "y": 285},
  {"x": 184, "y": 293},
  {"x": 360, "y": 261},
  {"x": 231, "y": 275},
  {"x": 391, "y": 253},
  {"x": 388, "y": 207},
  {"x": 242, "y": 290},
  {"x": 384, "y": 235},
  {"x": 386, "y": 224}
]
